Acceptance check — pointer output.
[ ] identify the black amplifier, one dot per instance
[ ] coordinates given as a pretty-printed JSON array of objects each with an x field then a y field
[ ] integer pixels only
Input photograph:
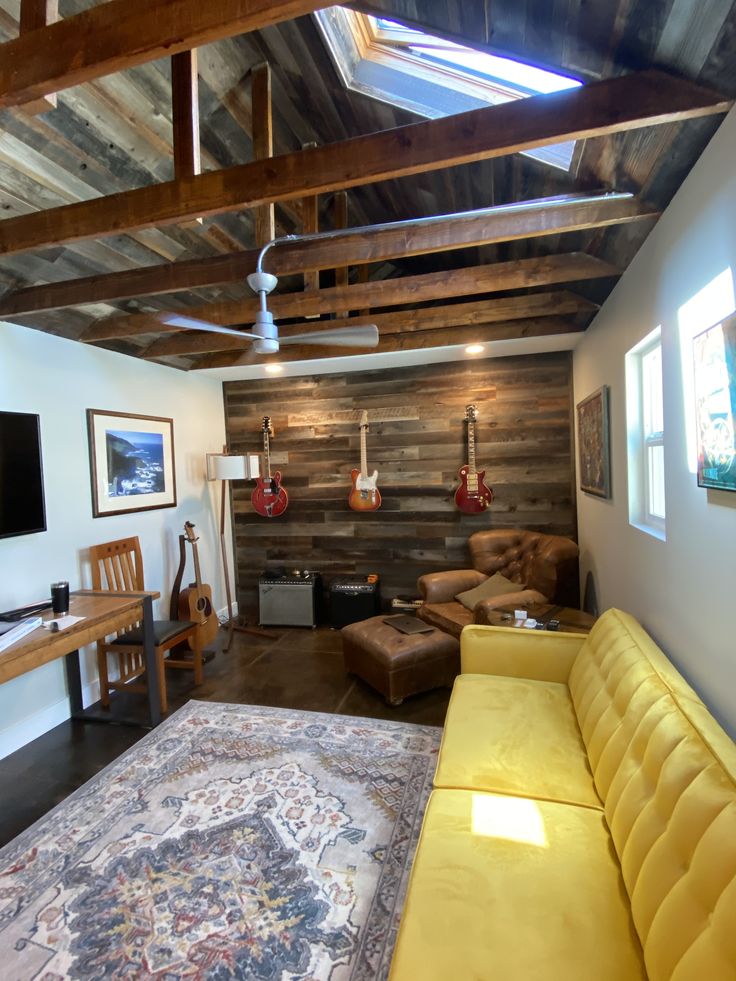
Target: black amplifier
[{"x": 352, "y": 600}]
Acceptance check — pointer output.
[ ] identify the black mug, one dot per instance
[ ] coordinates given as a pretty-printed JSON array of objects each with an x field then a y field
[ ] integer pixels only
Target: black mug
[{"x": 60, "y": 598}]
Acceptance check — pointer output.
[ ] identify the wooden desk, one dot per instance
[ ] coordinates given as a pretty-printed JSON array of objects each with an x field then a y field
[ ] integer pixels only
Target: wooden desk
[{"x": 104, "y": 613}]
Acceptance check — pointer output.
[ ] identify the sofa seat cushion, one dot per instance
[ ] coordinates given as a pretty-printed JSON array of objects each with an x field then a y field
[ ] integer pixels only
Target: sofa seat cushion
[
  {"x": 510, "y": 888},
  {"x": 514, "y": 736},
  {"x": 449, "y": 617}
]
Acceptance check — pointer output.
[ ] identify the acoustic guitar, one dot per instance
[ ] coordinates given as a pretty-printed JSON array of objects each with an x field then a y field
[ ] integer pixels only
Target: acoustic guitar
[
  {"x": 269, "y": 498},
  {"x": 195, "y": 602},
  {"x": 364, "y": 495},
  {"x": 473, "y": 495}
]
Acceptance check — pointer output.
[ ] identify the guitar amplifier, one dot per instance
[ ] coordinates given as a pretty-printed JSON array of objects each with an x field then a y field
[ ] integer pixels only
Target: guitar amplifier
[
  {"x": 288, "y": 600},
  {"x": 352, "y": 600}
]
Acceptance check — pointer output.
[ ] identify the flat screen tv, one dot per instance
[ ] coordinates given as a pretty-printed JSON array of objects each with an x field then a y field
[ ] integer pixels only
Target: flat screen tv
[
  {"x": 715, "y": 405},
  {"x": 22, "y": 508}
]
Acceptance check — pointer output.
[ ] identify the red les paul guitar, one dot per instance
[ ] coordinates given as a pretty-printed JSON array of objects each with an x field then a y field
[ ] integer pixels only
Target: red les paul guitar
[
  {"x": 269, "y": 498},
  {"x": 473, "y": 495}
]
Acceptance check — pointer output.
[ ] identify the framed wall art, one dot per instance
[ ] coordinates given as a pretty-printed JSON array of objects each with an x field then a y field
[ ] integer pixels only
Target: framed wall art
[
  {"x": 593, "y": 444},
  {"x": 131, "y": 461},
  {"x": 714, "y": 354}
]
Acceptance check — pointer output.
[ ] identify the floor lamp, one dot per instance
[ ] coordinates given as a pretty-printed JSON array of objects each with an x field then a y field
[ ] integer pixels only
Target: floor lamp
[{"x": 226, "y": 467}]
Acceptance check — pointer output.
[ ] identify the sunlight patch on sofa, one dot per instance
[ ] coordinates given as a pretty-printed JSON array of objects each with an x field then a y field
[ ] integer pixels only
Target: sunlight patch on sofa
[{"x": 511, "y": 818}]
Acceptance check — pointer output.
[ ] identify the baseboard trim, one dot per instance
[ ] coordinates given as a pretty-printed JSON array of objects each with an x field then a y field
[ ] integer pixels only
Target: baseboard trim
[{"x": 16, "y": 736}]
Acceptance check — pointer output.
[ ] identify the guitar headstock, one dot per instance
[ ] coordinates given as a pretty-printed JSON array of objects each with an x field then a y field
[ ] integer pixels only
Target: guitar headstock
[
  {"x": 267, "y": 426},
  {"x": 189, "y": 532},
  {"x": 364, "y": 420},
  {"x": 471, "y": 413}
]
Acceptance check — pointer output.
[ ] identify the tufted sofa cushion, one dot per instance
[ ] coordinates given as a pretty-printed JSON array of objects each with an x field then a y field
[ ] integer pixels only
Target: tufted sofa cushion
[{"x": 667, "y": 776}]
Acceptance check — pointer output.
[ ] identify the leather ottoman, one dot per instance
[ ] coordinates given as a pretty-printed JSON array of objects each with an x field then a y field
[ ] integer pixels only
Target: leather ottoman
[{"x": 399, "y": 664}]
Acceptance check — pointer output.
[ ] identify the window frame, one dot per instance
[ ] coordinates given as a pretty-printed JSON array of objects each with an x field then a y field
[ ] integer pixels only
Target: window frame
[{"x": 645, "y": 438}]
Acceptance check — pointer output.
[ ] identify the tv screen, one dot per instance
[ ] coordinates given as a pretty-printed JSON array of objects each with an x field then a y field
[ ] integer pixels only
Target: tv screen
[
  {"x": 22, "y": 509},
  {"x": 715, "y": 396}
]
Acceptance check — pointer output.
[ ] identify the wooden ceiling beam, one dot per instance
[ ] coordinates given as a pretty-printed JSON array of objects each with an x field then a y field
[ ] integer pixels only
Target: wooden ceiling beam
[
  {"x": 479, "y": 312},
  {"x": 185, "y": 112},
  {"x": 262, "y": 113},
  {"x": 613, "y": 105},
  {"x": 120, "y": 34},
  {"x": 545, "y": 216},
  {"x": 414, "y": 341},
  {"x": 424, "y": 288},
  {"x": 35, "y": 14}
]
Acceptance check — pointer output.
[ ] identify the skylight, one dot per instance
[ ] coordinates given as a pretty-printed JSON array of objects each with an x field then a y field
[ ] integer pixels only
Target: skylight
[{"x": 432, "y": 76}]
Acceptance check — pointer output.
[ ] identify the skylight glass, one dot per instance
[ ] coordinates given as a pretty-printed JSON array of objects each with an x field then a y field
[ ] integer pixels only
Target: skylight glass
[
  {"x": 528, "y": 78},
  {"x": 431, "y": 76}
]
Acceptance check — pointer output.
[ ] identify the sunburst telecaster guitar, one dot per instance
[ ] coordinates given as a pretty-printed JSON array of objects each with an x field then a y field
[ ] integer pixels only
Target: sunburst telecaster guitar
[
  {"x": 473, "y": 495},
  {"x": 195, "y": 602},
  {"x": 269, "y": 498},
  {"x": 364, "y": 495}
]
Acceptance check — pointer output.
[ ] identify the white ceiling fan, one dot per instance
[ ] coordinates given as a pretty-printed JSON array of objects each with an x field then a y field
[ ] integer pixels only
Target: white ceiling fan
[{"x": 265, "y": 333}]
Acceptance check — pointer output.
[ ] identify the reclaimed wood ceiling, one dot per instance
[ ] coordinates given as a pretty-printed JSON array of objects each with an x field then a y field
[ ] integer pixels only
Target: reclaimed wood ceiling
[{"x": 114, "y": 133}]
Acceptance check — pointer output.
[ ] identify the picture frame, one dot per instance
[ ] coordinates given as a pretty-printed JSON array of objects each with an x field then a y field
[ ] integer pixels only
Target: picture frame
[
  {"x": 131, "y": 460},
  {"x": 594, "y": 453},
  {"x": 714, "y": 374}
]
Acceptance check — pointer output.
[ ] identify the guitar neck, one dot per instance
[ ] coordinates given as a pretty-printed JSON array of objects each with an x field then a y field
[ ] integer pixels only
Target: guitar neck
[
  {"x": 197, "y": 570},
  {"x": 471, "y": 447},
  {"x": 267, "y": 453},
  {"x": 363, "y": 452}
]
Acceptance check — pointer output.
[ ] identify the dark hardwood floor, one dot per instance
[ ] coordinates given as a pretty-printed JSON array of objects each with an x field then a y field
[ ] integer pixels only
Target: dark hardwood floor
[{"x": 299, "y": 668}]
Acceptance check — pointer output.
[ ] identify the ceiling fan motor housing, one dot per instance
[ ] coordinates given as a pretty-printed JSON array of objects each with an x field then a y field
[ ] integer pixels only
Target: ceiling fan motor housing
[{"x": 268, "y": 339}]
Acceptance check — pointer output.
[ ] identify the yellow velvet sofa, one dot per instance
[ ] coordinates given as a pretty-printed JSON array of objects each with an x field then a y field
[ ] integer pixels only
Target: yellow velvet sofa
[{"x": 583, "y": 821}]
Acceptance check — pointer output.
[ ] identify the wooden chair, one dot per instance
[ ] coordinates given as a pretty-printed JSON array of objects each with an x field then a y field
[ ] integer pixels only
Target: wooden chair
[{"x": 118, "y": 566}]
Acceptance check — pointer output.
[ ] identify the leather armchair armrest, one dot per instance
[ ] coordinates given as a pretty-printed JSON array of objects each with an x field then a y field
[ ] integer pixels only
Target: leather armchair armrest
[
  {"x": 520, "y": 600},
  {"x": 515, "y": 652},
  {"x": 443, "y": 587}
]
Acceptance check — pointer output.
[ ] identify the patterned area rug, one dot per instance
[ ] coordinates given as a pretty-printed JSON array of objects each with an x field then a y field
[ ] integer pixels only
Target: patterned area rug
[{"x": 234, "y": 841}]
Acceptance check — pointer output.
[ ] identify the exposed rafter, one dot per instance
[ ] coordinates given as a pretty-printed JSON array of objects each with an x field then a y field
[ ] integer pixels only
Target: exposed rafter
[
  {"x": 120, "y": 34},
  {"x": 473, "y": 280},
  {"x": 611, "y": 106},
  {"x": 545, "y": 216}
]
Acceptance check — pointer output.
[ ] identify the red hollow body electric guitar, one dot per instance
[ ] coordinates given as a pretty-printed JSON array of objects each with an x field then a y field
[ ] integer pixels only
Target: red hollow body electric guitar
[
  {"x": 269, "y": 498},
  {"x": 473, "y": 495}
]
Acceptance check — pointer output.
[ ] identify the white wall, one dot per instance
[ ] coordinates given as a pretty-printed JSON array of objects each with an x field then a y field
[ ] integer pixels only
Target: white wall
[
  {"x": 59, "y": 380},
  {"x": 683, "y": 590}
]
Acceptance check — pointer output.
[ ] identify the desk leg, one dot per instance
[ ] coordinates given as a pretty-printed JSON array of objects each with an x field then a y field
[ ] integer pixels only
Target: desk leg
[
  {"x": 149, "y": 654},
  {"x": 74, "y": 682}
]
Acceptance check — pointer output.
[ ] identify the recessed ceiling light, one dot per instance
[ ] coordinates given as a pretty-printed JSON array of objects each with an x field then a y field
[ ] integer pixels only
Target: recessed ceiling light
[
  {"x": 274, "y": 369},
  {"x": 474, "y": 349}
]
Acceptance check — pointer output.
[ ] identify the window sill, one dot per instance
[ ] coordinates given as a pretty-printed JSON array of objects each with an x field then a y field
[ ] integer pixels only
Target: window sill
[{"x": 652, "y": 530}]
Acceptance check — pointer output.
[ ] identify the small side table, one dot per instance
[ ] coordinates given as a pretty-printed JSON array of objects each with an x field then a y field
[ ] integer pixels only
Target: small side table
[{"x": 571, "y": 621}]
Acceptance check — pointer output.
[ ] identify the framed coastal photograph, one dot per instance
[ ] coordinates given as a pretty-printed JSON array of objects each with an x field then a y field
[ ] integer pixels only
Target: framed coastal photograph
[
  {"x": 714, "y": 355},
  {"x": 593, "y": 444},
  {"x": 131, "y": 460}
]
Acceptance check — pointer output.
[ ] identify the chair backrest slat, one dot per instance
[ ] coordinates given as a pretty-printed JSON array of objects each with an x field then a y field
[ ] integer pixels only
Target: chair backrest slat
[{"x": 117, "y": 566}]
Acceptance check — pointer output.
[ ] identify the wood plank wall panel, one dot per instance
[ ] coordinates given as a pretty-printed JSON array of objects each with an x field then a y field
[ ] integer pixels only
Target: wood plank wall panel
[{"x": 417, "y": 443}]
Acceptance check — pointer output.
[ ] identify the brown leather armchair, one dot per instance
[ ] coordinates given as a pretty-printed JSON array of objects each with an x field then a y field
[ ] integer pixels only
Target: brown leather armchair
[{"x": 545, "y": 566}]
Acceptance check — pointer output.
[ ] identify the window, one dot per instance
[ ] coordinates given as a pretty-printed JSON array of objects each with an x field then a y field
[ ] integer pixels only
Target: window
[
  {"x": 645, "y": 425},
  {"x": 429, "y": 75}
]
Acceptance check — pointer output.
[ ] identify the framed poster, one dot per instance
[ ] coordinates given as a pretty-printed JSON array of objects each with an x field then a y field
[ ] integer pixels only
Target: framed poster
[
  {"x": 131, "y": 460},
  {"x": 714, "y": 354},
  {"x": 593, "y": 444}
]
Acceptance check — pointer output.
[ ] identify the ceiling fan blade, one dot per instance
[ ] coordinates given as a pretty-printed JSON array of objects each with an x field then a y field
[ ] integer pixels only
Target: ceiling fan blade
[
  {"x": 192, "y": 323},
  {"x": 364, "y": 336}
]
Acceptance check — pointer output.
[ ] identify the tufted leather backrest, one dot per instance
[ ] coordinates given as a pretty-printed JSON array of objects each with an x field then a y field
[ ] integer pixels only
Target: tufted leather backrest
[
  {"x": 666, "y": 772},
  {"x": 535, "y": 560}
]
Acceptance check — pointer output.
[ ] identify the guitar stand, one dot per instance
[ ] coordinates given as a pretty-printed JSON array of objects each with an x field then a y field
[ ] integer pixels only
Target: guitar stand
[{"x": 243, "y": 628}]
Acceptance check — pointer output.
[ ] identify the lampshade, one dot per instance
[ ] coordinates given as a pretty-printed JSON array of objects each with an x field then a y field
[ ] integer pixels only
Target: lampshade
[{"x": 223, "y": 466}]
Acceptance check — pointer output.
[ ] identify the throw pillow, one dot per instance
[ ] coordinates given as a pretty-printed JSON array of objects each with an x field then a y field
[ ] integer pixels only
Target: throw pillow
[{"x": 497, "y": 585}]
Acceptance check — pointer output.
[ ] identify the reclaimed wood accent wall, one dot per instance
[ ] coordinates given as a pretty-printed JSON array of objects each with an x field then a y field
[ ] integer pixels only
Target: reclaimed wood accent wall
[{"x": 417, "y": 442}]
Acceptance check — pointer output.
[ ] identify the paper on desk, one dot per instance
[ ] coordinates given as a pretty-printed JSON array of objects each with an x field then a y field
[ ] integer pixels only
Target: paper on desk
[{"x": 62, "y": 622}]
